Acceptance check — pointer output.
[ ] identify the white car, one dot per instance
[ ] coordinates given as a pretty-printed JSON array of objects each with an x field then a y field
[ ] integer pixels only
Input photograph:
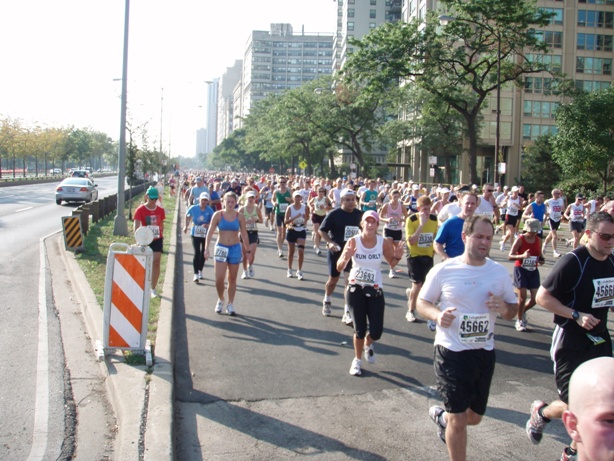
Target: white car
[{"x": 76, "y": 190}]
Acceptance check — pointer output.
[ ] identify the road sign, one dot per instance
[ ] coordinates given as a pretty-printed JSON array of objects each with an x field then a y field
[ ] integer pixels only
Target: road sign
[
  {"x": 73, "y": 233},
  {"x": 126, "y": 300},
  {"x": 302, "y": 164}
]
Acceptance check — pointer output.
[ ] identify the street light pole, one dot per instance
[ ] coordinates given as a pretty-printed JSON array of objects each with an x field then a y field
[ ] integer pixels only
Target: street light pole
[
  {"x": 498, "y": 118},
  {"x": 120, "y": 225}
]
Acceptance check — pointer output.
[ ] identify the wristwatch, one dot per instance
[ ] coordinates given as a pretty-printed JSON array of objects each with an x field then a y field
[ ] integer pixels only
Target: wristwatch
[{"x": 575, "y": 315}]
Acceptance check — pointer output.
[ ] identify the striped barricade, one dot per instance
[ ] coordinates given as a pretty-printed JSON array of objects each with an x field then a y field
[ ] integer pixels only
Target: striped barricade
[
  {"x": 126, "y": 300},
  {"x": 73, "y": 233}
]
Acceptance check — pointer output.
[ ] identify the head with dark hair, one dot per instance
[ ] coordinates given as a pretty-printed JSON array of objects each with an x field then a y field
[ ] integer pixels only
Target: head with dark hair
[
  {"x": 597, "y": 218},
  {"x": 470, "y": 222}
]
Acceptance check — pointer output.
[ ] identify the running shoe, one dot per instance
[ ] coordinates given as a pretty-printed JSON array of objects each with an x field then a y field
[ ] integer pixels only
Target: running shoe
[
  {"x": 520, "y": 326},
  {"x": 536, "y": 423},
  {"x": 244, "y": 275},
  {"x": 391, "y": 274},
  {"x": 250, "y": 271},
  {"x": 200, "y": 275},
  {"x": 154, "y": 293},
  {"x": 410, "y": 316},
  {"x": 326, "y": 308},
  {"x": 230, "y": 310},
  {"x": 347, "y": 318},
  {"x": 289, "y": 274},
  {"x": 569, "y": 454},
  {"x": 280, "y": 253},
  {"x": 502, "y": 246},
  {"x": 556, "y": 254},
  {"x": 299, "y": 275},
  {"x": 271, "y": 229},
  {"x": 218, "y": 306},
  {"x": 318, "y": 251},
  {"x": 435, "y": 413},
  {"x": 568, "y": 242},
  {"x": 195, "y": 279},
  {"x": 432, "y": 325},
  {"x": 544, "y": 249},
  {"x": 369, "y": 354},
  {"x": 355, "y": 368}
]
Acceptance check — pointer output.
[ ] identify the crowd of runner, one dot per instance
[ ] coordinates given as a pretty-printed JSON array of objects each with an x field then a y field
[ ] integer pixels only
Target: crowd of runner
[{"x": 342, "y": 216}]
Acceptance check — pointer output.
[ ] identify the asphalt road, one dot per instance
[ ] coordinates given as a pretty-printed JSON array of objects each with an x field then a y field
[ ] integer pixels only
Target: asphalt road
[
  {"x": 273, "y": 383},
  {"x": 33, "y": 386}
]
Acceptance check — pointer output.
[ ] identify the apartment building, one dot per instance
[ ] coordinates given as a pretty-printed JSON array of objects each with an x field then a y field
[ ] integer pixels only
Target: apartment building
[
  {"x": 225, "y": 103},
  {"x": 580, "y": 36}
]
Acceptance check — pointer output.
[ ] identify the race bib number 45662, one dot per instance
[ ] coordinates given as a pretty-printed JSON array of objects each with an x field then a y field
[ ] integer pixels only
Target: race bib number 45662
[
  {"x": 604, "y": 292},
  {"x": 473, "y": 328}
]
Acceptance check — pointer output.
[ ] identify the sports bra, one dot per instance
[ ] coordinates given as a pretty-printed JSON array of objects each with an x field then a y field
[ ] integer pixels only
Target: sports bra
[{"x": 228, "y": 225}]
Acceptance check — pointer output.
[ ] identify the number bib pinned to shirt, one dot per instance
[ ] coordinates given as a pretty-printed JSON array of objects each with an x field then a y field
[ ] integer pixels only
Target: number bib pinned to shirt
[
  {"x": 221, "y": 254},
  {"x": 200, "y": 232},
  {"x": 425, "y": 240},
  {"x": 530, "y": 263},
  {"x": 473, "y": 328},
  {"x": 365, "y": 276},
  {"x": 283, "y": 207},
  {"x": 604, "y": 293},
  {"x": 350, "y": 231},
  {"x": 156, "y": 231}
]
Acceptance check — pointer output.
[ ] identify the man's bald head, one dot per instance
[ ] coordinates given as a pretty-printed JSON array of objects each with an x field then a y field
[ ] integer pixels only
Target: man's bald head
[{"x": 591, "y": 409}]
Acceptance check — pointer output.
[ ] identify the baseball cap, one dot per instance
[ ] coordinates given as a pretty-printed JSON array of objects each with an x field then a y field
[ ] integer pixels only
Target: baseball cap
[
  {"x": 199, "y": 178},
  {"x": 370, "y": 214},
  {"x": 347, "y": 192},
  {"x": 203, "y": 196},
  {"x": 415, "y": 187},
  {"x": 532, "y": 225},
  {"x": 515, "y": 189},
  {"x": 152, "y": 192},
  {"x": 445, "y": 190},
  {"x": 296, "y": 194},
  {"x": 251, "y": 193},
  {"x": 579, "y": 196}
]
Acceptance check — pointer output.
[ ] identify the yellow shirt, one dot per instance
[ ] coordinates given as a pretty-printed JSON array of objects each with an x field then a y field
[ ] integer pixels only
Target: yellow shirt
[{"x": 424, "y": 246}]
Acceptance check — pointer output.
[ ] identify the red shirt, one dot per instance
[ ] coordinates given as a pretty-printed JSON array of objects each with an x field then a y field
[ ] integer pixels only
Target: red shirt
[
  {"x": 154, "y": 219},
  {"x": 534, "y": 251}
]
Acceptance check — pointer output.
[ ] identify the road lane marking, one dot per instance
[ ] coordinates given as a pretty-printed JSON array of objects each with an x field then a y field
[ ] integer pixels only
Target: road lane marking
[
  {"x": 41, "y": 409},
  {"x": 24, "y": 209}
]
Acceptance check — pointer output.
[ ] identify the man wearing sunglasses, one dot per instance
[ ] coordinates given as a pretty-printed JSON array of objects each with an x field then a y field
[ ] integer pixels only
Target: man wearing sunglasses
[{"x": 579, "y": 291}]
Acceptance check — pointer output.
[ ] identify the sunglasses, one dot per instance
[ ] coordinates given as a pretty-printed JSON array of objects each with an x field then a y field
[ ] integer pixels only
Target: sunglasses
[
  {"x": 604, "y": 237},
  {"x": 321, "y": 190},
  {"x": 490, "y": 190}
]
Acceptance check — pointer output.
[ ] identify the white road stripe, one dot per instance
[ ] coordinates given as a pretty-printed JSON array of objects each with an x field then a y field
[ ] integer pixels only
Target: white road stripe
[
  {"x": 24, "y": 209},
  {"x": 41, "y": 410}
]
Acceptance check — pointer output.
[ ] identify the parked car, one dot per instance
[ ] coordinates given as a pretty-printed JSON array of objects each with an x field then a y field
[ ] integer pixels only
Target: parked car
[
  {"x": 55, "y": 171},
  {"x": 80, "y": 174},
  {"x": 76, "y": 190}
]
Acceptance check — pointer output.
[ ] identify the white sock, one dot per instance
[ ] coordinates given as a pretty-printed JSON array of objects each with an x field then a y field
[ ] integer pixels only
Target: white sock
[{"x": 326, "y": 298}]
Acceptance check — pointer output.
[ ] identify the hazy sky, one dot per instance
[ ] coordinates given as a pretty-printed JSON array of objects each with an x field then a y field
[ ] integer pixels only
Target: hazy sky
[{"x": 61, "y": 58}]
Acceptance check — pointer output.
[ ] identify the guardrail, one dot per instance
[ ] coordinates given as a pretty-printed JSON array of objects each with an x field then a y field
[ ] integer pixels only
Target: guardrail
[{"x": 101, "y": 208}]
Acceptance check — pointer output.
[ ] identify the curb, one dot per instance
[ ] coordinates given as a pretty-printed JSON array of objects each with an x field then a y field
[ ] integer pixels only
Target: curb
[
  {"x": 160, "y": 411},
  {"x": 138, "y": 402}
]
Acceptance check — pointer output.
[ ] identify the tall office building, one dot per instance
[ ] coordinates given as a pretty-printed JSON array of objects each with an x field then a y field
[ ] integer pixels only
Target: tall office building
[
  {"x": 355, "y": 19},
  {"x": 225, "y": 102},
  {"x": 211, "y": 134},
  {"x": 277, "y": 60},
  {"x": 580, "y": 35}
]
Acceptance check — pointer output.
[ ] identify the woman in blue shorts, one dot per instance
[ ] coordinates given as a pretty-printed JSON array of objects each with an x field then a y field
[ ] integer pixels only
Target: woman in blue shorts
[{"x": 228, "y": 254}]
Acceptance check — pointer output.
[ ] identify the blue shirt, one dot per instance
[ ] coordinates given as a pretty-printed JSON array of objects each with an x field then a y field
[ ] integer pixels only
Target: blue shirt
[
  {"x": 450, "y": 236},
  {"x": 538, "y": 211},
  {"x": 199, "y": 216}
]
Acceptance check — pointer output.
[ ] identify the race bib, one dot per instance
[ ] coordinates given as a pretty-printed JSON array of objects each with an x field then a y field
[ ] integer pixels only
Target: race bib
[
  {"x": 473, "y": 328},
  {"x": 200, "y": 231},
  {"x": 371, "y": 203},
  {"x": 283, "y": 207},
  {"x": 298, "y": 222},
  {"x": 365, "y": 276},
  {"x": 156, "y": 231},
  {"x": 350, "y": 231},
  {"x": 393, "y": 222},
  {"x": 555, "y": 216},
  {"x": 425, "y": 240},
  {"x": 604, "y": 293},
  {"x": 250, "y": 226},
  {"x": 221, "y": 254},
  {"x": 530, "y": 263}
]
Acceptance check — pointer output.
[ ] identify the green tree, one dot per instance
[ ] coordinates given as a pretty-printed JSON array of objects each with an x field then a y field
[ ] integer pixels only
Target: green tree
[
  {"x": 585, "y": 140},
  {"x": 539, "y": 170},
  {"x": 457, "y": 63}
]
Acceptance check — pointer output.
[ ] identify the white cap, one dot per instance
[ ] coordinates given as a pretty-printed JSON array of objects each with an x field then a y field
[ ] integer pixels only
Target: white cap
[
  {"x": 203, "y": 196},
  {"x": 296, "y": 194},
  {"x": 515, "y": 189},
  {"x": 251, "y": 193}
]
